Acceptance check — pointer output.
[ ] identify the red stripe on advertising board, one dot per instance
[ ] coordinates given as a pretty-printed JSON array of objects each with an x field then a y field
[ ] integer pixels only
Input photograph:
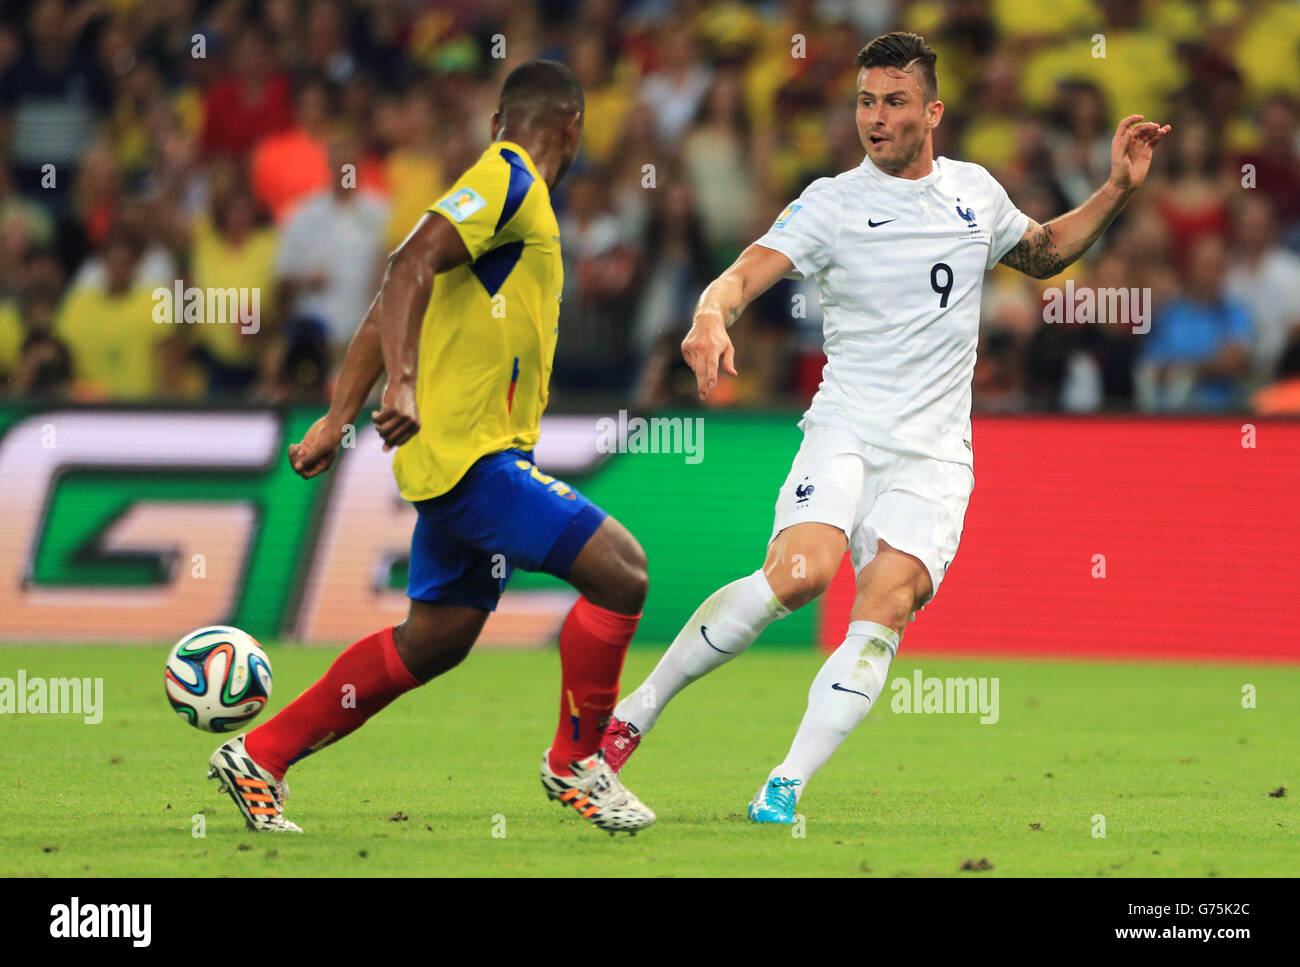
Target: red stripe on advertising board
[{"x": 1200, "y": 537}]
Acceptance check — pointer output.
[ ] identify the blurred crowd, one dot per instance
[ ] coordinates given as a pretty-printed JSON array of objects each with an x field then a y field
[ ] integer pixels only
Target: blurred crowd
[{"x": 285, "y": 147}]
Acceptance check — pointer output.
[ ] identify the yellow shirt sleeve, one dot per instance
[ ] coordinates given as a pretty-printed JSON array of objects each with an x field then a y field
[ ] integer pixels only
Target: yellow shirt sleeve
[{"x": 475, "y": 204}]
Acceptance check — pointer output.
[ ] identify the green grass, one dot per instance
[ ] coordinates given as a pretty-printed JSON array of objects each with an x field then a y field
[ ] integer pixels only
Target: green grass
[{"x": 1166, "y": 753}]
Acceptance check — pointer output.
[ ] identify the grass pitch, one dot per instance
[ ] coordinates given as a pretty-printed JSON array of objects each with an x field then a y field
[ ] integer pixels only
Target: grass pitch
[{"x": 445, "y": 780}]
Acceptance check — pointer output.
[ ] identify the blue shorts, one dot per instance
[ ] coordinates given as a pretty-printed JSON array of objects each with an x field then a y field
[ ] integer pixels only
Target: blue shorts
[{"x": 503, "y": 514}]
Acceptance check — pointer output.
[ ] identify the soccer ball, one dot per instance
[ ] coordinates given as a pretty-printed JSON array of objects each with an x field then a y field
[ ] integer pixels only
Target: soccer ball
[{"x": 218, "y": 678}]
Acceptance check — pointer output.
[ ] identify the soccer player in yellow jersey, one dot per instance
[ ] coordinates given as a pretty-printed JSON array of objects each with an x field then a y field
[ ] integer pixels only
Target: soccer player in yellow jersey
[{"x": 465, "y": 326}]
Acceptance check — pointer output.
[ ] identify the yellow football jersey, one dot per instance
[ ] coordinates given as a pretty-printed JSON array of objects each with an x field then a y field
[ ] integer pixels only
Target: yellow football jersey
[
  {"x": 488, "y": 337},
  {"x": 114, "y": 341}
]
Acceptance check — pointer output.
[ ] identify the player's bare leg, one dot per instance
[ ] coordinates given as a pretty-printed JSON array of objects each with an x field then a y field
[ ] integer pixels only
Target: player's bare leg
[
  {"x": 610, "y": 570},
  {"x": 435, "y": 638},
  {"x": 889, "y": 589},
  {"x": 801, "y": 562},
  {"x": 610, "y": 573},
  {"x": 364, "y": 679}
]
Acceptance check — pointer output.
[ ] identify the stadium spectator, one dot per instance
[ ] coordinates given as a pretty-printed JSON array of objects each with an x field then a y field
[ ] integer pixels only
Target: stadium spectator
[
  {"x": 414, "y": 168},
  {"x": 1010, "y": 328},
  {"x": 1115, "y": 342},
  {"x": 1275, "y": 164},
  {"x": 331, "y": 256},
  {"x": 1265, "y": 46},
  {"x": 1141, "y": 241},
  {"x": 1079, "y": 141},
  {"x": 175, "y": 178},
  {"x": 140, "y": 88},
  {"x": 1125, "y": 55},
  {"x": 118, "y": 349},
  {"x": 675, "y": 270},
  {"x": 41, "y": 366},
  {"x": 95, "y": 194},
  {"x": 325, "y": 48},
  {"x": 1088, "y": 366},
  {"x": 635, "y": 172},
  {"x": 252, "y": 102},
  {"x": 997, "y": 379},
  {"x": 1282, "y": 397},
  {"x": 144, "y": 224},
  {"x": 52, "y": 100},
  {"x": 607, "y": 94},
  {"x": 717, "y": 154},
  {"x": 231, "y": 249},
  {"x": 1265, "y": 277},
  {"x": 1193, "y": 199},
  {"x": 292, "y": 164},
  {"x": 24, "y": 225},
  {"x": 11, "y": 337},
  {"x": 988, "y": 137},
  {"x": 596, "y": 351},
  {"x": 735, "y": 106},
  {"x": 676, "y": 87},
  {"x": 1197, "y": 353},
  {"x": 42, "y": 269}
]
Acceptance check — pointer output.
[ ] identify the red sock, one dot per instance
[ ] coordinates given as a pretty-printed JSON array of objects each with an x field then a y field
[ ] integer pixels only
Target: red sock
[
  {"x": 593, "y": 643},
  {"x": 362, "y": 680}
]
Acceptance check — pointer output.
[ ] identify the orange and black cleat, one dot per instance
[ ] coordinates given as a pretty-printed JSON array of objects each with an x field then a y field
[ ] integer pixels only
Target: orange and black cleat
[
  {"x": 596, "y": 793},
  {"x": 258, "y": 794}
]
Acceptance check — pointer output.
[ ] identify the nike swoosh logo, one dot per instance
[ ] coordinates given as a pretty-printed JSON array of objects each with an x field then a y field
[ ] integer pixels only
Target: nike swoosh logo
[
  {"x": 871, "y": 224},
  {"x": 704, "y": 630},
  {"x": 840, "y": 688}
]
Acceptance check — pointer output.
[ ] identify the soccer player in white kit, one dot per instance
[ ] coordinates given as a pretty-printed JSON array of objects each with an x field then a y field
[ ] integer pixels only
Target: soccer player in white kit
[{"x": 899, "y": 247}]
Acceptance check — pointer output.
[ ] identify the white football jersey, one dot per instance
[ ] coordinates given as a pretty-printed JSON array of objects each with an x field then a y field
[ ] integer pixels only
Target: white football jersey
[{"x": 900, "y": 267}]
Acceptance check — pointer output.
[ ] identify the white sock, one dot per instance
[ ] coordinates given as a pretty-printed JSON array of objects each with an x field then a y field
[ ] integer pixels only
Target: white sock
[
  {"x": 720, "y": 629},
  {"x": 841, "y": 695}
]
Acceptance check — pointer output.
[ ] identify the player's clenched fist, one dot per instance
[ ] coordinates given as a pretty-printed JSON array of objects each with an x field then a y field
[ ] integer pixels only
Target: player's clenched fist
[
  {"x": 315, "y": 454},
  {"x": 397, "y": 418},
  {"x": 703, "y": 347}
]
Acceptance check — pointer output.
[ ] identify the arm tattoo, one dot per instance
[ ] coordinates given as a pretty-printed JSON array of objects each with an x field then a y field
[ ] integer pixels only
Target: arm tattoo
[{"x": 1037, "y": 254}]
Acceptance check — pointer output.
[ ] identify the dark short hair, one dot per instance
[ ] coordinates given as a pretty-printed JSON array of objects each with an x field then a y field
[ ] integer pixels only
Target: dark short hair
[
  {"x": 901, "y": 50},
  {"x": 1288, "y": 364},
  {"x": 541, "y": 90}
]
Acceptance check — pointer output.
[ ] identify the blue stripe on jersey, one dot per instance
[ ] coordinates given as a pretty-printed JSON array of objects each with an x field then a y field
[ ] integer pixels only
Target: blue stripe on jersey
[
  {"x": 520, "y": 181},
  {"x": 492, "y": 268}
]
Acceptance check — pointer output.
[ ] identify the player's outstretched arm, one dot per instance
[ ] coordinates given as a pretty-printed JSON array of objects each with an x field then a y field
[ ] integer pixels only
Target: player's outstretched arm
[
  {"x": 721, "y": 304},
  {"x": 433, "y": 246},
  {"x": 397, "y": 310},
  {"x": 1047, "y": 249},
  {"x": 362, "y": 364}
]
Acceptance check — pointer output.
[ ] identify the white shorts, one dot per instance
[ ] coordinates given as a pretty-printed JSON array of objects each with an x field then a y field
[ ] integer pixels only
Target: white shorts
[{"x": 913, "y": 504}]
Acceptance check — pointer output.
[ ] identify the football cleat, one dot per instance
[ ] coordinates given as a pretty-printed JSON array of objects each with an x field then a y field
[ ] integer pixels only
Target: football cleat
[
  {"x": 595, "y": 792},
  {"x": 775, "y": 802},
  {"x": 258, "y": 794},
  {"x": 620, "y": 741}
]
